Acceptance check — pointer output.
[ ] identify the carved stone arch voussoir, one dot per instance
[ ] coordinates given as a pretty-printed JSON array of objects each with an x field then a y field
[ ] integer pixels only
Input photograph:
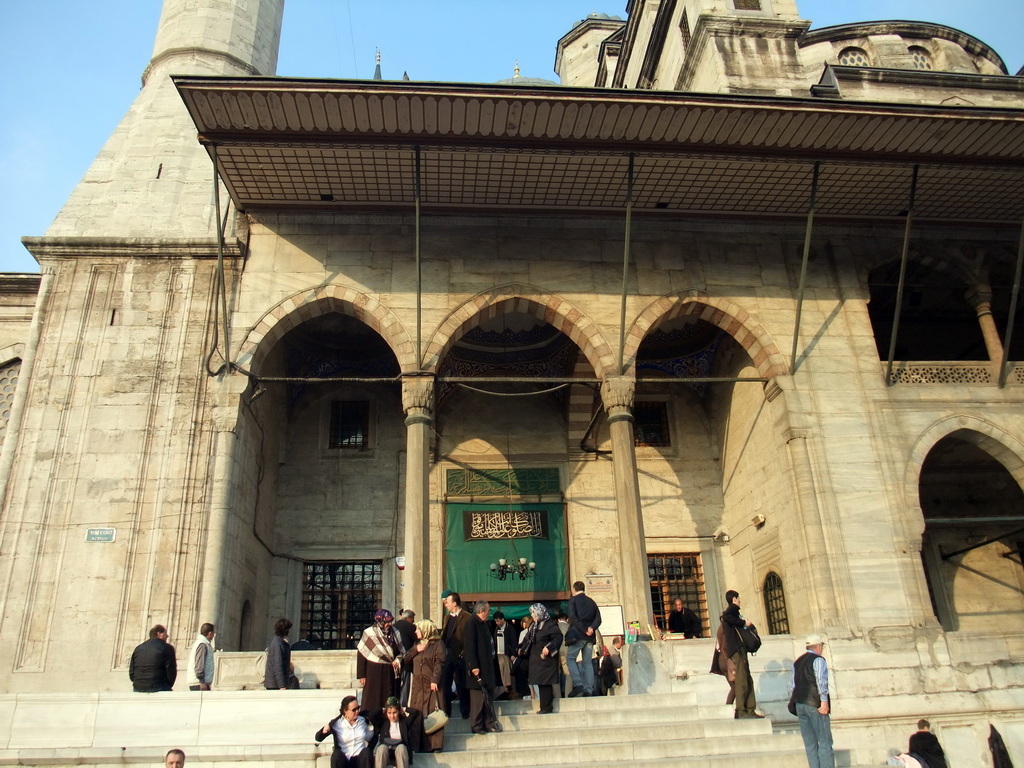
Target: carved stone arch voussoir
[
  {"x": 721, "y": 312},
  {"x": 529, "y": 300},
  {"x": 305, "y": 305}
]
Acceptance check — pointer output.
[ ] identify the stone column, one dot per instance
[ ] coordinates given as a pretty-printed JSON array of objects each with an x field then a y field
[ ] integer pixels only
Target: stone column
[
  {"x": 617, "y": 394},
  {"x": 215, "y": 558},
  {"x": 980, "y": 297},
  {"x": 417, "y": 402}
]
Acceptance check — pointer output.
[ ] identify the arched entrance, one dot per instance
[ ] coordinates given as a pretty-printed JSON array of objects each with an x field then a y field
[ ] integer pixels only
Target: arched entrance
[
  {"x": 320, "y": 478},
  {"x": 973, "y": 509}
]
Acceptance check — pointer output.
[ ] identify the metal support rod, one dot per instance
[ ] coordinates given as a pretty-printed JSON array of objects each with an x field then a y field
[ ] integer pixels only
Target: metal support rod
[
  {"x": 220, "y": 261},
  {"x": 625, "y": 264},
  {"x": 990, "y": 540},
  {"x": 1012, "y": 318},
  {"x": 419, "y": 270},
  {"x": 803, "y": 264},
  {"x": 500, "y": 380},
  {"x": 903, "y": 273}
]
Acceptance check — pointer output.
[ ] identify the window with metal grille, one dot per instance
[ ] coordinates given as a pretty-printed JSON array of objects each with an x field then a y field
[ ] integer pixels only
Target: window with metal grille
[
  {"x": 338, "y": 602},
  {"x": 650, "y": 424},
  {"x": 747, "y": 5},
  {"x": 775, "y": 605},
  {"x": 854, "y": 57},
  {"x": 922, "y": 59},
  {"x": 350, "y": 424},
  {"x": 679, "y": 575},
  {"x": 684, "y": 29}
]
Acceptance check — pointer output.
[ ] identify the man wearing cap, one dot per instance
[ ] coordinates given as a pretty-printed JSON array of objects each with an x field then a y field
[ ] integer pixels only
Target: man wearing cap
[
  {"x": 452, "y": 629},
  {"x": 811, "y": 696}
]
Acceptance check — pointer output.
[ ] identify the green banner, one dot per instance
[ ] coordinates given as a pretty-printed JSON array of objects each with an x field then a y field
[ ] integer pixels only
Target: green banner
[{"x": 477, "y": 535}]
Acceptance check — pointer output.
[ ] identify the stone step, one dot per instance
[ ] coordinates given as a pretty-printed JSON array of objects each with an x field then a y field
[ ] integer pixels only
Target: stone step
[
  {"x": 756, "y": 750},
  {"x": 684, "y": 723}
]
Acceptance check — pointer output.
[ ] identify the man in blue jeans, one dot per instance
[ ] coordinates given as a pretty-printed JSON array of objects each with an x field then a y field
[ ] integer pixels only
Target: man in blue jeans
[
  {"x": 584, "y": 619},
  {"x": 811, "y": 696}
]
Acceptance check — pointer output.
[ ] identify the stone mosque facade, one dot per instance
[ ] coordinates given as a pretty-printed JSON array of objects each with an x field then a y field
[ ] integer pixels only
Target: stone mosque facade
[{"x": 733, "y": 306}]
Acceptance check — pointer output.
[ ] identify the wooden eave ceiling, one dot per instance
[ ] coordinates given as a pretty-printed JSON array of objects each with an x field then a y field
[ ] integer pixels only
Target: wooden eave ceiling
[{"x": 285, "y": 143}]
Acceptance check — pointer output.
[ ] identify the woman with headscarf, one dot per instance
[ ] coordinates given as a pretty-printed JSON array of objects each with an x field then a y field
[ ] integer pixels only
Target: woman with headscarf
[
  {"x": 427, "y": 658},
  {"x": 544, "y": 639},
  {"x": 378, "y": 663}
]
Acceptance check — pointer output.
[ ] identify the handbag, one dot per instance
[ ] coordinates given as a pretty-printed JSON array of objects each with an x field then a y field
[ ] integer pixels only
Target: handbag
[{"x": 436, "y": 720}]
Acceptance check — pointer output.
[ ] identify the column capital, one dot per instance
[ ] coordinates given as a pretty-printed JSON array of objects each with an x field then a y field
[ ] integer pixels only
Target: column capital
[
  {"x": 417, "y": 393},
  {"x": 618, "y": 392},
  {"x": 979, "y": 296}
]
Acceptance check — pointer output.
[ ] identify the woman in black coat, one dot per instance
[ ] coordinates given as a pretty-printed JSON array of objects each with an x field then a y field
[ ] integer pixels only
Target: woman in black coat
[{"x": 544, "y": 639}]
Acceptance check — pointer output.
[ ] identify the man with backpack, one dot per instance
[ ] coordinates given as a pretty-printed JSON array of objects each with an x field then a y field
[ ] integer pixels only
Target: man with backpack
[{"x": 736, "y": 651}]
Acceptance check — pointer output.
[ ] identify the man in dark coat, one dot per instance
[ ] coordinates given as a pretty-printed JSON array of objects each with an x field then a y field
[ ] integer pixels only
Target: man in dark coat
[
  {"x": 452, "y": 629},
  {"x": 154, "y": 666},
  {"x": 584, "y": 620},
  {"x": 925, "y": 744},
  {"x": 732, "y": 620},
  {"x": 480, "y": 679},
  {"x": 684, "y": 621},
  {"x": 406, "y": 629}
]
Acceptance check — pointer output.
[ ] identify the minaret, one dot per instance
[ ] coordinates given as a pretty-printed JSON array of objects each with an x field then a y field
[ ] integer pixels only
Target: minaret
[{"x": 152, "y": 179}]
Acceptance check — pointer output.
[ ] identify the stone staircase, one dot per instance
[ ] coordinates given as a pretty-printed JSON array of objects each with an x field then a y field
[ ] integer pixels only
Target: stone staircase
[{"x": 616, "y": 731}]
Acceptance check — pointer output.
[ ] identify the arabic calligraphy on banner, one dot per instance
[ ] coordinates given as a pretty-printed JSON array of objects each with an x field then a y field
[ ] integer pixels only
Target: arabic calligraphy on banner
[{"x": 506, "y": 525}]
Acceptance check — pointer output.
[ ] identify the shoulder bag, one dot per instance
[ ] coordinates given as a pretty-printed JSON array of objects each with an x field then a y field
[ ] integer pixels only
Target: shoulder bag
[{"x": 437, "y": 719}]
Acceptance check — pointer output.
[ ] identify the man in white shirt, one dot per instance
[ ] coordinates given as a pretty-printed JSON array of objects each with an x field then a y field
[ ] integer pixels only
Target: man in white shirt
[{"x": 200, "y": 660}]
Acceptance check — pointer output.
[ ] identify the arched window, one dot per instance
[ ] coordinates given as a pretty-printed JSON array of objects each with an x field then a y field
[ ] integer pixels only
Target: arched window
[
  {"x": 854, "y": 57},
  {"x": 775, "y": 605},
  {"x": 922, "y": 59},
  {"x": 8, "y": 383}
]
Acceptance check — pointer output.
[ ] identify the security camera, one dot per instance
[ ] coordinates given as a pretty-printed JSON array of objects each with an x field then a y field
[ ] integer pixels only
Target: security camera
[{"x": 758, "y": 520}]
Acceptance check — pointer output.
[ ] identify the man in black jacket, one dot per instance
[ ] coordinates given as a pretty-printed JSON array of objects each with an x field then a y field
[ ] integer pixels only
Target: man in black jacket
[
  {"x": 452, "y": 629},
  {"x": 479, "y": 653},
  {"x": 506, "y": 642},
  {"x": 153, "y": 666},
  {"x": 683, "y": 621},
  {"x": 732, "y": 620},
  {"x": 584, "y": 619},
  {"x": 925, "y": 744}
]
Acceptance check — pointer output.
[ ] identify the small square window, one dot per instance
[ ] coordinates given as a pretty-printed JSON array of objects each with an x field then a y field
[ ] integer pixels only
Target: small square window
[
  {"x": 747, "y": 5},
  {"x": 650, "y": 425},
  {"x": 350, "y": 424}
]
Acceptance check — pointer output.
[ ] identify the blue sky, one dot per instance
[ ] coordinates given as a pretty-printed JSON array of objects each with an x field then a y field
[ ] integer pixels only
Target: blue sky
[{"x": 73, "y": 67}]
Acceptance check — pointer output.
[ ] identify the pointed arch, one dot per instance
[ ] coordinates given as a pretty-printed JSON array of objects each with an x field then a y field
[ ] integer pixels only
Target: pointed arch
[
  {"x": 996, "y": 442},
  {"x": 516, "y": 297},
  {"x": 726, "y": 314},
  {"x": 325, "y": 299}
]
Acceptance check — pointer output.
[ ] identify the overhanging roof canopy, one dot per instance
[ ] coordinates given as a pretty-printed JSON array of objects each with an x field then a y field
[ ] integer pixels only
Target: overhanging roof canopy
[{"x": 343, "y": 144}]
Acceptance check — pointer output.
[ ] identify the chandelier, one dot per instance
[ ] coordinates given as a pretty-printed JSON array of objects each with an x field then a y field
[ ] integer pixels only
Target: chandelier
[{"x": 502, "y": 569}]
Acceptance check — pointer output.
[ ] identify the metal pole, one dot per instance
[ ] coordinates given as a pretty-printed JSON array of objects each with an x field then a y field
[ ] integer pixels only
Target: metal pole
[
  {"x": 625, "y": 265},
  {"x": 1012, "y": 318},
  {"x": 803, "y": 265},
  {"x": 220, "y": 261},
  {"x": 903, "y": 273},
  {"x": 419, "y": 272}
]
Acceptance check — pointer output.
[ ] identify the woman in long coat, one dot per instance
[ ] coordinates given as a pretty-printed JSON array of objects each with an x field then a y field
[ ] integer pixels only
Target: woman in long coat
[
  {"x": 427, "y": 658},
  {"x": 544, "y": 639},
  {"x": 378, "y": 663}
]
